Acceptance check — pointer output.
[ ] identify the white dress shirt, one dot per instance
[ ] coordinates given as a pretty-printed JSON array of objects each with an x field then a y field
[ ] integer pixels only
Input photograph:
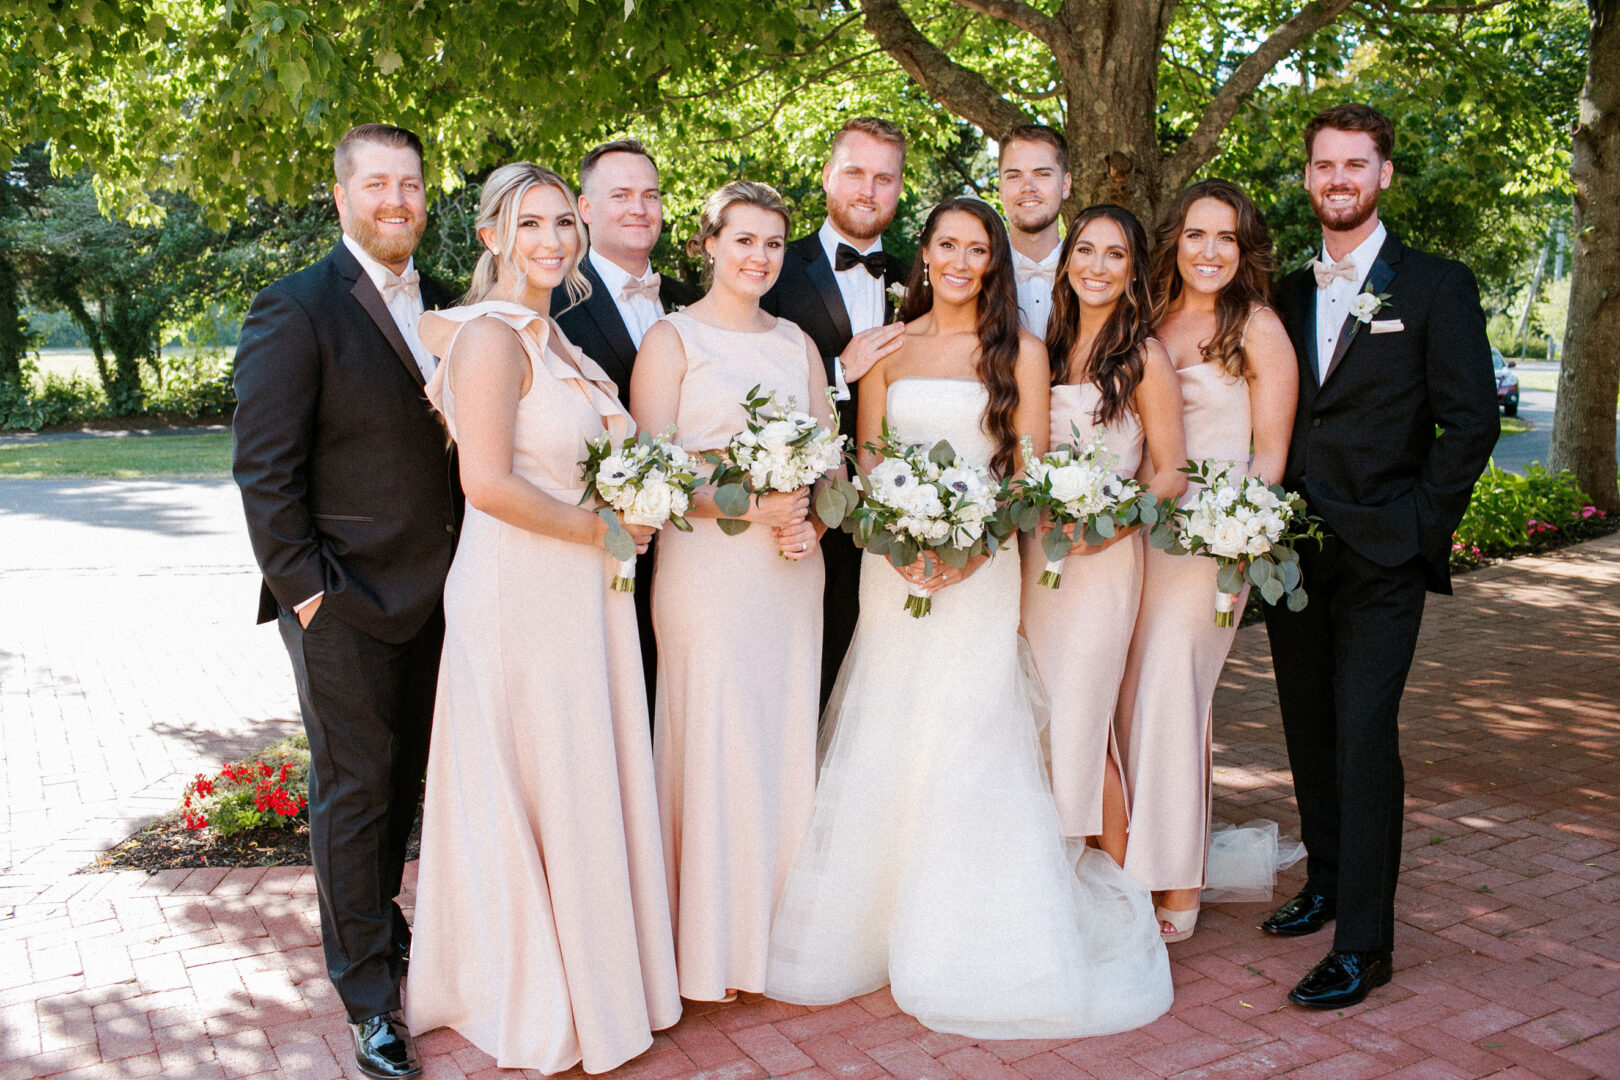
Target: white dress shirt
[
  {"x": 406, "y": 310},
  {"x": 1035, "y": 295},
  {"x": 639, "y": 312},
  {"x": 1333, "y": 302},
  {"x": 862, "y": 293}
]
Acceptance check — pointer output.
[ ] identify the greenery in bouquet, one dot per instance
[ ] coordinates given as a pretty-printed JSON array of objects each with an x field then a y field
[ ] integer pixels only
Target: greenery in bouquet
[
  {"x": 1250, "y": 529},
  {"x": 646, "y": 479},
  {"x": 780, "y": 449},
  {"x": 927, "y": 501},
  {"x": 269, "y": 789},
  {"x": 1078, "y": 490}
]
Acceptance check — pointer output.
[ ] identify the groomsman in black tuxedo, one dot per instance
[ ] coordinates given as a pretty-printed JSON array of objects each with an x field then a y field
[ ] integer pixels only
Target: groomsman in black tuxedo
[
  {"x": 352, "y": 503},
  {"x": 834, "y": 285},
  {"x": 1034, "y": 178},
  {"x": 1391, "y": 347},
  {"x": 620, "y": 203}
]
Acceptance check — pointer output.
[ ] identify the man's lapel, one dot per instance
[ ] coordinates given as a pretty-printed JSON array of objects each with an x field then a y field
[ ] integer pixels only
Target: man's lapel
[
  {"x": 605, "y": 313},
  {"x": 1378, "y": 279},
  {"x": 820, "y": 273},
  {"x": 370, "y": 299}
]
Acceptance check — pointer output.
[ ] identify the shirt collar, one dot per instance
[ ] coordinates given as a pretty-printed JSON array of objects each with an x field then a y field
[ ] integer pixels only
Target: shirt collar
[
  {"x": 1366, "y": 252},
  {"x": 1048, "y": 263},
  {"x": 830, "y": 241},
  {"x": 612, "y": 274},
  {"x": 376, "y": 271}
]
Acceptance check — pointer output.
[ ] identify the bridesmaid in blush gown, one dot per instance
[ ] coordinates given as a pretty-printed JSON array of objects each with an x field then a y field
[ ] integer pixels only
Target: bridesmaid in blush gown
[
  {"x": 542, "y": 922},
  {"x": 738, "y": 618},
  {"x": 1211, "y": 284},
  {"x": 1108, "y": 373}
]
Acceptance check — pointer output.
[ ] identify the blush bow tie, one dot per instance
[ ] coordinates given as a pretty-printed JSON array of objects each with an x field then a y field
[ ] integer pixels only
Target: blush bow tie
[
  {"x": 406, "y": 284},
  {"x": 645, "y": 287},
  {"x": 846, "y": 257},
  {"x": 1025, "y": 273},
  {"x": 1327, "y": 273}
]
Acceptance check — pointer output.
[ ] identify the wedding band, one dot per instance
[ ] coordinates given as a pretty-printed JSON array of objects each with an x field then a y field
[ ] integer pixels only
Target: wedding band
[{"x": 802, "y": 545}]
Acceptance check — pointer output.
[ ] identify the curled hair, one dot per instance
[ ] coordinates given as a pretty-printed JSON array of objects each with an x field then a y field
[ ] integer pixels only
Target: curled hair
[
  {"x": 1249, "y": 288},
  {"x": 377, "y": 135},
  {"x": 1115, "y": 362},
  {"x": 1352, "y": 116},
  {"x": 719, "y": 204},
  {"x": 500, "y": 271},
  {"x": 997, "y": 364}
]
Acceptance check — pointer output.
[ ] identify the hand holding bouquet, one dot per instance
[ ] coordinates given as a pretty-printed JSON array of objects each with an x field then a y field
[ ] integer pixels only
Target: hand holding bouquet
[
  {"x": 1077, "y": 485},
  {"x": 1250, "y": 530},
  {"x": 647, "y": 480},
  {"x": 780, "y": 450},
  {"x": 921, "y": 501}
]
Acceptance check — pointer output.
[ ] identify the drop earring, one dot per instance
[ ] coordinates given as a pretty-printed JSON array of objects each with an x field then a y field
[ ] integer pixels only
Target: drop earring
[{"x": 926, "y": 283}]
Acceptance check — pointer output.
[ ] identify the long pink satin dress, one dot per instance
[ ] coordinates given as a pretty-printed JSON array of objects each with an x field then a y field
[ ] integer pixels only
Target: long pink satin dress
[
  {"x": 1175, "y": 661},
  {"x": 739, "y": 678},
  {"x": 542, "y": 919},
  {"x": 1080, "y": 632}
]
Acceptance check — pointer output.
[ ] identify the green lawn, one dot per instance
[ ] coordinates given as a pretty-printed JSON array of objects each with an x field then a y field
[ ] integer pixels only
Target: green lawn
[
  {"x": 127, "y": 458},
  {"x": 1538, "y": 380},
  {"x": 1512, "y": 425}
]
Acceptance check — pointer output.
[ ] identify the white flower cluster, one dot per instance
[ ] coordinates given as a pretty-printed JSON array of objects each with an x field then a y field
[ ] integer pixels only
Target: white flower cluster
[
  {"x": 646, "y": 482},
  {"x": 1236, "y": 516},
  {"x": 1075, "y": 483},
  {"x": 933, "y": 505},
  {"x": 786, "y": 452}
]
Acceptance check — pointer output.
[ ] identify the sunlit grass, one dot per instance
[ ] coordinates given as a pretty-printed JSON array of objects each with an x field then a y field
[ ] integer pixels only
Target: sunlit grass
[{"x": 123, "y": 458}]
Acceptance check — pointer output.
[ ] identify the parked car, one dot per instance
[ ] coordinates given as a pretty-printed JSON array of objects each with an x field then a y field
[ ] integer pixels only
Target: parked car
[{"x": 1507, "y": 383}]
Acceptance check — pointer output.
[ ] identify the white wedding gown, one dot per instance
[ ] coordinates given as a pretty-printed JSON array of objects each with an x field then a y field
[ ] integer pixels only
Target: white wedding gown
[{"x": 935, "y": 861}]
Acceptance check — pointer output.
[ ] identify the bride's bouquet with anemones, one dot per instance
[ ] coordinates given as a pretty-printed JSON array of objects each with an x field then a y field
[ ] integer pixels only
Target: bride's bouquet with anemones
[
  {"x": 648, "y": 480},
  {"x": 1076, "y": 485},
  {"x": 926, "y": 500},
  {"x": 779, "y": 449},
  {"x": 1250, "y": 529}
]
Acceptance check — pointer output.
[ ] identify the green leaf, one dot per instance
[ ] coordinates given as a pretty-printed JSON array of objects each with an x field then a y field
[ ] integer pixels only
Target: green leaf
[
  {"x": 388, "y": 60},
  {"x": 1028, "y": 517},
  {"x": 904, "y": 551},
  {"x": 617, "y": 540},
  {"x": 1056, "y": 545},
  {"x": 831, "y": 506},
  {"x": 1260, "y": 571},
  {"x": 952, "y": 556},
  {"x": 1105, "y": 526},
  {"x": 1147, "y": 511},
  {"x": 731, "y": 500},
  {"x": 1271, "y": 589},
  {"x": 881, "y": 542},
  {"x": 1290, "y": 575},
  {"x": 1297, "y": 600},
  {"x": 1229, "y": 578},
  {"x": 942, "y": 454},
  {"x": 732, "y": 526}
]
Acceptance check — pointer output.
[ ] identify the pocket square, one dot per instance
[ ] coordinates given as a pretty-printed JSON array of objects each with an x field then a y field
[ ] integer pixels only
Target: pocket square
[{"x": 1386, "y": 326}]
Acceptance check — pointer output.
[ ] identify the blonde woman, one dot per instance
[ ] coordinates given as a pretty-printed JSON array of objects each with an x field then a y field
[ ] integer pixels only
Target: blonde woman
[
  {"x": 539, "y": 737},
  {"x": 738, "y": 618}
]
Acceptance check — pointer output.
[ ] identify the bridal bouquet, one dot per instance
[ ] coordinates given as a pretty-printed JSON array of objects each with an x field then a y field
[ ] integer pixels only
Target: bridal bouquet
[
  {"x": 779, "y": 450},
  {"x": 921, "y": 500},
  {"x": 1077, "y": 485},
  {"x": 647, "y": 479},
  {"x": 1250, "y": 530}
]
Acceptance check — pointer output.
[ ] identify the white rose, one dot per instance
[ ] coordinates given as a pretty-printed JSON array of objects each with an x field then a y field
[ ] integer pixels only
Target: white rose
[
  {"x": 1230, "y": 539},
  {"x": 1365, "y": 306},
  {"x": 1068, "y": 483},
  {"x": 776, "y": 435},
  {"x": 653, "y": 503}
]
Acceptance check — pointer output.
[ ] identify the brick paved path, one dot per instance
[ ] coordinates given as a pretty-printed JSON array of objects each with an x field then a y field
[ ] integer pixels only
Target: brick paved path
[{"x": 1508, "y": 953}]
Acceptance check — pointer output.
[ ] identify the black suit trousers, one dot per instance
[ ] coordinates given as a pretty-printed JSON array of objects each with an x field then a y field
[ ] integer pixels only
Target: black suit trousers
[
  {"x": 368, "y": 711},
  {"x": 1341, "y": 666}
]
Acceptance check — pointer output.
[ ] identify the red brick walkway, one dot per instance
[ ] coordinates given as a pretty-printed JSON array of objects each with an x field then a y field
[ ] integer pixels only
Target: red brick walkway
[{"x": 1508, "y": 955}]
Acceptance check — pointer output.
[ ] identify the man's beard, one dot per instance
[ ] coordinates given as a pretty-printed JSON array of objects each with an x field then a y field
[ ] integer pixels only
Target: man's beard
[
  {"x": 394, "y": 249},
  {"x": 1039, "y": 225},
  {"x": 1344, "y": 219},
  {"x": 847, "y": 227}
]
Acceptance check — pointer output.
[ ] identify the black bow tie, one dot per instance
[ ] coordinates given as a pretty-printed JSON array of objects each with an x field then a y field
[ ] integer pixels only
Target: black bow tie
[{"x": 847, "y": 257}]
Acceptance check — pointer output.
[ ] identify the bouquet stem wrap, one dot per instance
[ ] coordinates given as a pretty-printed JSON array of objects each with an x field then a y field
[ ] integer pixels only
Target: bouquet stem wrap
[
  {"x": 1225, "y": 608},
  {"x": 1052, "y": 576},
  {"x": 919, "y": 601}
]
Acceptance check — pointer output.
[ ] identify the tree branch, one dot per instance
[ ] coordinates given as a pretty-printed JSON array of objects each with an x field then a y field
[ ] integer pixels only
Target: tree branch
[
  {"x": 1205, "y": 139},
  {"x": 961, "y": 90},
  {"x": 1026, "y": 18}
]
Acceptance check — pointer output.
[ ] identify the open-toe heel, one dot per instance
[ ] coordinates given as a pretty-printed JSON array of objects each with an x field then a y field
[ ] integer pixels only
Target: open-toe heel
[{"x": 1184, "y": 923}]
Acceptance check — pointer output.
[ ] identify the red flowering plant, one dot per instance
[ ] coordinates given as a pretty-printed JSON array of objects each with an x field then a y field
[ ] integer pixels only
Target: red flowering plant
[{"x": 270, "y": 789}]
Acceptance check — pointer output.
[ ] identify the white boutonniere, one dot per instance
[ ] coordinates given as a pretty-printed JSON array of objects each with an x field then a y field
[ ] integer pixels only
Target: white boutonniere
[
  {"x": 1366, "y": 304},
  {"x": 897, "y": 299}
]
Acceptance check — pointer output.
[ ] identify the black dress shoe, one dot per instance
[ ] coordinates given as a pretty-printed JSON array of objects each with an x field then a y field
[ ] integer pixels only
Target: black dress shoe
[
  {"x": 383, "y": 1047},
  {"x": 1342, "y": 979},
  {"x": 1304, "y": 914}
]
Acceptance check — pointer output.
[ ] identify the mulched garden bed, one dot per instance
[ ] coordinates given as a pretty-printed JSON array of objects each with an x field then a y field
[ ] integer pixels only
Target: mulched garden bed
[{"x": 166, "y": 844}]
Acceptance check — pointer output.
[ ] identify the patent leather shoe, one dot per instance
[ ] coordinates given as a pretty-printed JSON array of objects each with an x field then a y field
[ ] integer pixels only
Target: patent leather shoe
[
  {"x": 383, "y": 1047},
  {"x": 1304, "y": 914},
  {"x": 1342, "y": 979}
]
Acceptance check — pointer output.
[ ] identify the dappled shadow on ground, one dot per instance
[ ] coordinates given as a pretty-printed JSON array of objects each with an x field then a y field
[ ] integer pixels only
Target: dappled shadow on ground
[{"x": 177, "y": 508}]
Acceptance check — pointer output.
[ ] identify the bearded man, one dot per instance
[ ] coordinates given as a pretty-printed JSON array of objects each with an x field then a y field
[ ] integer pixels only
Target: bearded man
[
  {"x": 1034, "y": 174},
  {"x": 349, "y": 486},
  {"x": 834, "y": 285}
]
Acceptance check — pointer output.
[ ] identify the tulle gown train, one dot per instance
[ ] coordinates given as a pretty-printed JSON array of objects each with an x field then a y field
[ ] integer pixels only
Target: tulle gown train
[{"x": 935, "y": 861}]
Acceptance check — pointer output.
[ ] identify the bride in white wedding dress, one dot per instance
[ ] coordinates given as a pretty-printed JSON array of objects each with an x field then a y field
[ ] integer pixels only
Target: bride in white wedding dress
[{"x": 935, "y": 861}]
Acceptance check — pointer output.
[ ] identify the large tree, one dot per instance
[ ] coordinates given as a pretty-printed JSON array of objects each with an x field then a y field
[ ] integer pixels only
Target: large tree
[{"x": 1589, "y": 381}]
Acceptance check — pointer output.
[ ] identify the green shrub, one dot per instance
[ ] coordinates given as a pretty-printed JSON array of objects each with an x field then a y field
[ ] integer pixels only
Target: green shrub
[
  {"x": 56, "y": 401},
  {"x": 193, "y": 384},
  {"x": 270, "y": 788},
  {"x": 1511, "y": 512}
]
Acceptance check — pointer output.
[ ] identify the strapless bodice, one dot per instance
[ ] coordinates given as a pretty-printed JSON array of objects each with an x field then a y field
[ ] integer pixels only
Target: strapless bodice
[{"x": 925, "y": 409}]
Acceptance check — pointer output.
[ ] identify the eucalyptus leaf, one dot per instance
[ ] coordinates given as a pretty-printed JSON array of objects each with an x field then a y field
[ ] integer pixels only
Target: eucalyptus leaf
[
  {"x": 1272, "y": 590},
  {"x": 1147, "y": 511},
  {"x": 1027, "y": 517},
  {"x": 1229, "y": 579},
  {"x": 942, "y": 454},
  {"x": 952, "y": 556},
  {"x": 732, "y": 526},
  {"x": 831, "y": 507},
  {"x": 1056, "y": 545},
  {"x": 1297, "y": 600},
  {"x": 904, "y": 551},
  {"x": 1290, "y": 575},
  {"x": 1163, "y": 537},
  {"x": 1260, "y": 571},
  {"x": 1105, "y": 525},
  {"x": 617, "y": 540},
  {"x": 731, "y": 500}
]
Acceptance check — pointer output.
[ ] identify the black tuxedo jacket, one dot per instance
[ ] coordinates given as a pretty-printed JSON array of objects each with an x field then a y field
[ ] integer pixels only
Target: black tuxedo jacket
[
  {"x": 348, "y": 478},
  {"x": 1364, "y": 450},
  {"x": 595, "y": 325},
  {"x": 806, "y": 293}
]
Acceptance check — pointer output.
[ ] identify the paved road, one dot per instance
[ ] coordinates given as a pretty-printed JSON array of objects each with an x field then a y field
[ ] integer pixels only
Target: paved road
[{"x": 1514, "y": 452}]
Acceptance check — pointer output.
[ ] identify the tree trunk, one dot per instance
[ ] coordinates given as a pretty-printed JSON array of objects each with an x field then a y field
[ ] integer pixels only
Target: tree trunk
[
  {"x": 13, "y": 328},
  {"x": 1583, "y": 434}
]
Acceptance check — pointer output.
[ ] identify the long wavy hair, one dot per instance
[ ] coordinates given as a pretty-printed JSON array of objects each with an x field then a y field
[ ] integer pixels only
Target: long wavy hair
[
  {"x": 499, "y": 274},
  {"x": 1249, "y": 288},
  {"x": 1115, "y": 362},
  {"x": 997, "y": 363}
]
